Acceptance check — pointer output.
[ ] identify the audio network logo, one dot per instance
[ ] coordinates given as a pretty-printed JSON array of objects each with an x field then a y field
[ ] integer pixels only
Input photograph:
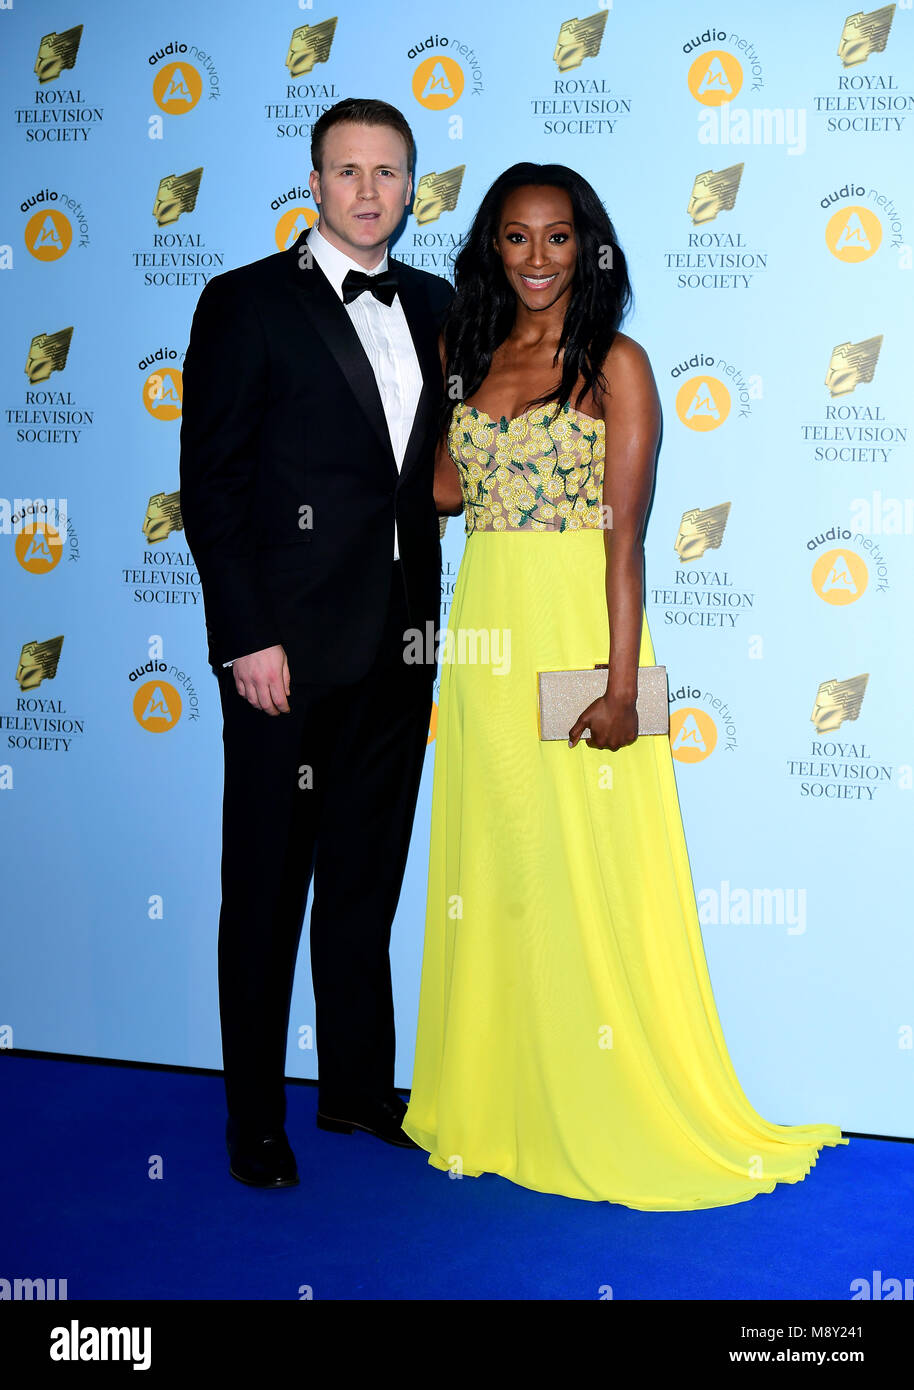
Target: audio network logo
[
  {"x": 157, "y": 703},
  {"x": 39, "y": 545},
  {"x": 58, "y": 114},
  {"x": 296, "y": 219},
  {"x": 716, "y": 77},
  {"x": 855, "y": 232},
  {"x": 704, "y": 402},
  {"x": 694, "y": 733},
  {"x": 840, "y": 576},
  {"x": 178, "y": 85},
  {"x": 440, "y": 79},
  {"x": 48, "y": 233},
  {"x": 162, "y": 391}
]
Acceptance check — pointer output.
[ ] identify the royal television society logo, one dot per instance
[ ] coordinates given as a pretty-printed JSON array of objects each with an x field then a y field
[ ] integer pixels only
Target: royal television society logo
[
  {"x": 843, "y": 768},
  {"x": 58, "y": 223},
  {"x": 854, "y": 431},
  {"x": 162, "y": 390},
  {"x": 855, "y": 232},
  {"x": 167, "y": 573},
  {"x": 163, "y": 695},
  {"x": 715, "y": 260},
  {"x": 40, "y": 723},
  {"x": 700, "y": 595},
  {"x": 59, "y": 113},
  {"x": 305, "y": 95},
  {"x": 183, "y": 72},
  {"x": 695, "y": 731},
  {"x": 581, "y": 100},
  {"x": 47, "y": 413},
  {"x": 869, "y": 103},
  {"x": 177, "y": 258},
  {"x": 435, "y": 194}
]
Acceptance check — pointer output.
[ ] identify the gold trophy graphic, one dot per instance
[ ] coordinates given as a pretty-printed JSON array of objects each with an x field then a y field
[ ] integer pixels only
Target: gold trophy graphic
[
  {"x": 851, "y": 364},
  {"x": 700, "y": 531},
  {"x": 47, "y": 354},
  {"x": 163, "y": 515},
  {"x": 56, "y": 52},
  {"x": 437, "y": 193},
  {"x": 38, "y": 662},
  {"x": 836, "y": 701},
  {"x": 864, "y": 34},
  {"x": 176, "y": 193},
  {"x": 713, "y": 193},
  {"x": 308, "y": 45},
  {"x": 579, "y": 39}
]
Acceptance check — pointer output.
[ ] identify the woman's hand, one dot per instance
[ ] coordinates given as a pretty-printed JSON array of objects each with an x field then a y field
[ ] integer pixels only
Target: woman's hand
[{"x": 613, "y": 723}]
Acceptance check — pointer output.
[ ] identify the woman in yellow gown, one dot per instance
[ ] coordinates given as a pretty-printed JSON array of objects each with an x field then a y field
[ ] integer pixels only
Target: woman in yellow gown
[{"x": 568, "y": 1037}]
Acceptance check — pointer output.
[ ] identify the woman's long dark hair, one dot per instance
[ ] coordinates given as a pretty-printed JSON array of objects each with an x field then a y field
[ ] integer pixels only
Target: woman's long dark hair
[{"x": 483, "y": 309}]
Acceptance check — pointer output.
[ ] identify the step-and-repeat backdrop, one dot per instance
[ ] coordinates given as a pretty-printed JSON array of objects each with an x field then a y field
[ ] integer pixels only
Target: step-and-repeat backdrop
[{"x": 756, "y": 161}]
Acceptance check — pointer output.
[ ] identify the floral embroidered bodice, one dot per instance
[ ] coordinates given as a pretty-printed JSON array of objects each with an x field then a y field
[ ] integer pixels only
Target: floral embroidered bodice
[{"x": 531, "y": 473}]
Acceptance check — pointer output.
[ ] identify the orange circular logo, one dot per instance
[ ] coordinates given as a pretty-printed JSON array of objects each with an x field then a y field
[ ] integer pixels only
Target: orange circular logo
[
  {"x": 39, "y": 547},
  {"x": 157, "y": 706},
  {"x": 48, "y": 234},
  {"x": 703, "y": 403},
  {"x": 163, "y": 393},
  {"x": 437, "y": 82},
  {"x": 177, "y": 88},
  {"x": 290, "y": 226},
  {"x": 715, "y": 78},
  {"x": 693, "y": 734},
  {"x": 853, "y": 234},
  {"x": 840, "y": 577}
]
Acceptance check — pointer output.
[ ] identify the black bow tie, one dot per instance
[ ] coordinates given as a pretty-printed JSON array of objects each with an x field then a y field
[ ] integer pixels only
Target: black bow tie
[{"x": 383, "y": 286}]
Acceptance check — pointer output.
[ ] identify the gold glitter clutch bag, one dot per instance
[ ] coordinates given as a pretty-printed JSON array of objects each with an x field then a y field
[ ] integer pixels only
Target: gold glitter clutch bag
[{"x": 564, "y": 694}]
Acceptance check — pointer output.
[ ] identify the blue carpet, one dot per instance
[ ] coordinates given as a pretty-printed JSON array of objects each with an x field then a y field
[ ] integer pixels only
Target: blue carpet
[{"x": 369, "y": 1221}]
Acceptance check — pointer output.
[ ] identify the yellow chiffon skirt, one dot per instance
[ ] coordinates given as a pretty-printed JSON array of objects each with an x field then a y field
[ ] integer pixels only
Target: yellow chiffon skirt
[{"x": 568, "y": 1037}]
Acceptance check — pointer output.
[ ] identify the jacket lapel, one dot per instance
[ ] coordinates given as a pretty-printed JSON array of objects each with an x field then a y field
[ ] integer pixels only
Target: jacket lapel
[
  {"x": 425, "y": 340},
  {"x": 330, "y": 321}
]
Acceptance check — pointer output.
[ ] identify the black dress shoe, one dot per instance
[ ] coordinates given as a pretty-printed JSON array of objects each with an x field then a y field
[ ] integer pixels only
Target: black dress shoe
[
  {"x": 260, "y": 1159},
  {"x": 382, "y": 1118}
]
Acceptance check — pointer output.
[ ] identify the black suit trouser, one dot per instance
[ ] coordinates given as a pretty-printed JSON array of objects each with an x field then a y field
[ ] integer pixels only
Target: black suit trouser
[{"x": 328, "y": 790}]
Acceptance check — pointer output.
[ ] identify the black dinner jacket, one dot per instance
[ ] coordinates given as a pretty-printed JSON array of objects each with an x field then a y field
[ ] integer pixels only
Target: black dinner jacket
[{"x": 289, "y": 486}]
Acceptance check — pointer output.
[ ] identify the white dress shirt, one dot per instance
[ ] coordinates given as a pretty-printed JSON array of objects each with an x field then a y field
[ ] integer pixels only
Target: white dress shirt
[{"x": 388, "y": 343}]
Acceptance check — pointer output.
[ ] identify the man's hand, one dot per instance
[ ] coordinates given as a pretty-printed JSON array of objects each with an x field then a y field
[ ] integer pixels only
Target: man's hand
[{"x": 262, "y": 678}]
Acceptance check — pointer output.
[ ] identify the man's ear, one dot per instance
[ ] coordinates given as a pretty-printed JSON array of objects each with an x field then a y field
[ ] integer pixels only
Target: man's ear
[
  {"x": 314, "y": 183},
  {"x": 409, "y": 191}
]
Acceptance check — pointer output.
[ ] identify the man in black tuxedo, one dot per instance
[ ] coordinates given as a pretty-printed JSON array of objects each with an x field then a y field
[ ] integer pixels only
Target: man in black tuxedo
[{"x": 312, "y": 384}]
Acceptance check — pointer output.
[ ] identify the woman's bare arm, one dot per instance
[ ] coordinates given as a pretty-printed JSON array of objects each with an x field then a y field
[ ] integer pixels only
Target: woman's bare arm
[{"x": 631, "y": 417}]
